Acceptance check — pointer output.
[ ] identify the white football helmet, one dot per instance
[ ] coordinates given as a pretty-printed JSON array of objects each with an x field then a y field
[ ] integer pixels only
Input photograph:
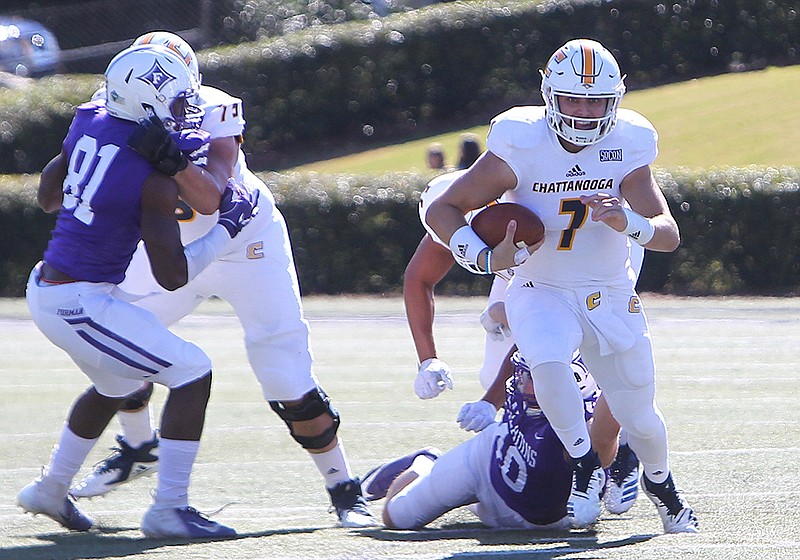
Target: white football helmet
[
  {"x": 143, "y": 81},
  {"x": 582, "y": 68},
  {"x": 174, "y": 43}
]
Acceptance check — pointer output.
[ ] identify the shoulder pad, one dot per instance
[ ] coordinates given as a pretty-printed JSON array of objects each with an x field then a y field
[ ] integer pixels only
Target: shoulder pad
[
  {"x": 223, "y": 114},
  {"x": 518, "y": 128}
]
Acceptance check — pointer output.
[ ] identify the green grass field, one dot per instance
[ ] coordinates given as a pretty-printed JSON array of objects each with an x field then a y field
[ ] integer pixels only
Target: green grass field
[
  {"x": 729, "y": 120},
  {"x": 727, "y": 386}
]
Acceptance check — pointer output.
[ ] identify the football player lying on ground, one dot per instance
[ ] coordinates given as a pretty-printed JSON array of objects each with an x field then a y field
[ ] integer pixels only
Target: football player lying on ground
[
  {"x": 257, "y": 278},
  {"x": 514, "y": 474},
  {"x": 430, "y": 263}
]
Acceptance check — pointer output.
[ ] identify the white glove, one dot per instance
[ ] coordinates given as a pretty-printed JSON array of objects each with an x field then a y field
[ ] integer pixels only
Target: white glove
[
  {"x": 497, "y": 330},
  {"x": 433, "y": 378},
  {"x": 475, "y": 416}
]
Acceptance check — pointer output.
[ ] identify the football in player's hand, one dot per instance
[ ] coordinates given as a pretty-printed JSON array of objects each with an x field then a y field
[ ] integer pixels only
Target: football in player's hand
[{"x": 491, "y": 222}]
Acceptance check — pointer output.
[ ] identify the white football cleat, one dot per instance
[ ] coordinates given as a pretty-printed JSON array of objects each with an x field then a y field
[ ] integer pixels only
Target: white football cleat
[
  {"x": 676, "y": 515},
  {"x": 623, "y": 481},
  {"x": 126, "y": 463},
  {"x": 38, "y": 498},
  {"x": 350, "y": 506},
  {"x": 588, "y": 483}
]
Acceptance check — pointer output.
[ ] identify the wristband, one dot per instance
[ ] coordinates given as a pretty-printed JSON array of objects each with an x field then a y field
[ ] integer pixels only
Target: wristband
[
  {"x": 639, "y": 229},
  {"x": 467, "y": 247},
  {"x": 203, "y": 251}
]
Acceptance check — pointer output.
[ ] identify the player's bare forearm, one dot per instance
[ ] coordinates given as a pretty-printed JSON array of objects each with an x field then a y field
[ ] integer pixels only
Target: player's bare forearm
[
  {"x": 420, "y": 309},
  {"x": 202, "y": 187},
  {"x": 496, "y": 393},
  {"x": 199, "y": 189},
  {"x": 667, "y": 237},
  {"x": 487, "y": 179},
  {"x": 427, "y": 267}
]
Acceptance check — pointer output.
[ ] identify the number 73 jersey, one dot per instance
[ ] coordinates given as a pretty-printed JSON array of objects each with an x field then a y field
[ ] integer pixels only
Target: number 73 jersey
[{"x": 551, "y": 180}]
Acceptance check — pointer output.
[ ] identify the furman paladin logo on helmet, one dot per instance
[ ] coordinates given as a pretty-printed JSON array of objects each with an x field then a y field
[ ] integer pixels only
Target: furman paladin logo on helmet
[
  {"x": 582, "y": 68},
  {"x": 143, "y": 81},
  {"x": 156, "y": 76}
]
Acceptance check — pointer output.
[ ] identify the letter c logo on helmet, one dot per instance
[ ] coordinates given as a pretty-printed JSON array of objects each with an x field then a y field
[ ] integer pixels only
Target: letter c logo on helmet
[{"x": 582, "y": 68}]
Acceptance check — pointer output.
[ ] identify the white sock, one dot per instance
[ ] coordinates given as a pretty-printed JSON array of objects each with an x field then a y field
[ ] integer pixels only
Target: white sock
[
  {"x": 562, "y": 403},
  {"x": 333, "y": 465},
  {"x": 68, "y": 455},
  {"x": 623, "y": 437},
  {"x": 136, "y": 426},
  {"x": 175, "y": 461}
]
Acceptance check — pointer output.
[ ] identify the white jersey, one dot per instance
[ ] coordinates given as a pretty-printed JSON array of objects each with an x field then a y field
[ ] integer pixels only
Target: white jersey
[
  {"x": 550, "y": 181},
  {"x": 222, "y": 118}
]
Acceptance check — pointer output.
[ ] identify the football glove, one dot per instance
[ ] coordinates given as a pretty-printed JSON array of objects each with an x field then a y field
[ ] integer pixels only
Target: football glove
[
  {"x": 475, "y": 416},
  {"x": 237, "y": 207},
  {"x": 190, "y": 140},
  {"x": 496, "y": 330},
  {"x": 433, "y": 378},
  {"x": 155, "y": 144}
]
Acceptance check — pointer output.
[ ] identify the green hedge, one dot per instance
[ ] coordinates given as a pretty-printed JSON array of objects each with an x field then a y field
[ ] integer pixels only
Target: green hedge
[
  {"x": 740, "y": 231},
  {"x": 330, "y": 89}
]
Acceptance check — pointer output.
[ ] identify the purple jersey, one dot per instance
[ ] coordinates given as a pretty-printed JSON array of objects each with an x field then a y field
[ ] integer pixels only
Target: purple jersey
[
  {"x": 99, "y": 223},
  {"x": 528, "y": 468}
]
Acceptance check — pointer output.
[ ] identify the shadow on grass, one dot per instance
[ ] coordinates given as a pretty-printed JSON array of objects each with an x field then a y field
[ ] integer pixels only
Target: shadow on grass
[
  {"x": 106, "y": 544},
  {"x": 535, "y": 544}
]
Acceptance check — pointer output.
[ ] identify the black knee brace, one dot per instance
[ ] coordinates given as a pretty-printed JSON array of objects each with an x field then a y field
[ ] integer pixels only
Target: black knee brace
[
  {"x": 138, "y": 400},
  {"x": 314, "y": 404}
]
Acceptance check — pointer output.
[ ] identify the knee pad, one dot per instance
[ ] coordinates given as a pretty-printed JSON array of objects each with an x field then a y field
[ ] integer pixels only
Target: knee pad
[
  {"x": 138, "y": 400},
  {"x": 314, "y": 404}
]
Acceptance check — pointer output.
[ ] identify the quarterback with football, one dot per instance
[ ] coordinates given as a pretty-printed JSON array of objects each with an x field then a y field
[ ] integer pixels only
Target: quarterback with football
[
  {"x": 431, "y": 261},
  {"x": 582, "y": 165}
]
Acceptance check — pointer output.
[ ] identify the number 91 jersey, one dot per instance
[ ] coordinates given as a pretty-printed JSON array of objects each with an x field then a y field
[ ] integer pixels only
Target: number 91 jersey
[{"x": 551, "y": 180}]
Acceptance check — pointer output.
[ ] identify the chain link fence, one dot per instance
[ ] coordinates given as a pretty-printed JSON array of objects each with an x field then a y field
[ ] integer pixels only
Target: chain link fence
[{"x": 89, "y": 33}]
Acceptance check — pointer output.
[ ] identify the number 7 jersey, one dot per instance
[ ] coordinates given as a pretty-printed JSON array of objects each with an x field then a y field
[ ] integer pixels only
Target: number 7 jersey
[{"x": 551, "y": 180}]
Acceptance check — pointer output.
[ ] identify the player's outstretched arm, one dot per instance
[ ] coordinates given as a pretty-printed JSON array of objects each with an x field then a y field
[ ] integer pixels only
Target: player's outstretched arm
[
  {"x": 429, "y": 264},
  {"x": 426, "y": 268}
]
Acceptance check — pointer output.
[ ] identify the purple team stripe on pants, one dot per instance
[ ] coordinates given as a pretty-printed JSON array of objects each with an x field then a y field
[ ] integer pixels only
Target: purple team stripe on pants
[
  {"x": 115, "y": 337},
  {"x": 113, "y": 353}
]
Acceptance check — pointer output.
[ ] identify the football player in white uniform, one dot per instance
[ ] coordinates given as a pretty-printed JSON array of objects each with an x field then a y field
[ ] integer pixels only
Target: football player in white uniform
[
  {"x": 258, "y": 278},
  {"x": 430, "y": 263},
  {"x": 583, "y": 166}
]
